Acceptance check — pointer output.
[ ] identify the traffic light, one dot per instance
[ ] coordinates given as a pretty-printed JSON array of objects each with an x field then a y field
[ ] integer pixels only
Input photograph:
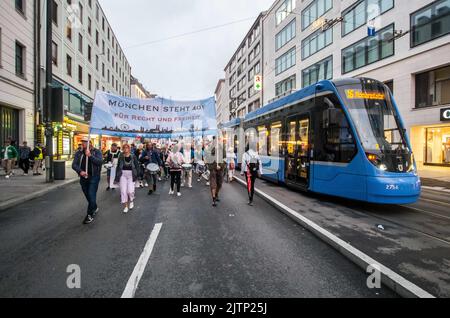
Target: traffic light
[
  {"x": 87, "y": 111},
  {"x": 56, "y": 106}
]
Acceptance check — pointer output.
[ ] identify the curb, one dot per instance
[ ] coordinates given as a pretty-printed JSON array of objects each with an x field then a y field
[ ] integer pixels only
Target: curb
[
  {"x": 389, "y": 278},
  {"x": 13, "y": 202}
]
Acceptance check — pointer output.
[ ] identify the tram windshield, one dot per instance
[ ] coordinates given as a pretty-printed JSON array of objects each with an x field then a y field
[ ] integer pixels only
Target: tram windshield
[{"x": 376, "y": 120}]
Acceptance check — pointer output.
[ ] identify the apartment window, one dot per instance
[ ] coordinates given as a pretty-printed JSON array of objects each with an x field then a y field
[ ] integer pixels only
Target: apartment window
[
  {"x": 369, "y": 50},
  {"x": 89, "y": 27},
  {"x": 316, "y": 42},
  {"x": 286, "y": 86},
  {"x": 322, "y": 70},
  {"x": 255, "y": 70},
  {"x": 314, "y": 11},
  {"x": 69, "y": 65},
  {"x": 109, "y": 53},
  {"x": 241, "y": 68},
  {"x": 80, "y": 43},
  {"x": 0, "y": 47},
  {"x": 430, "y": 23},
  {"x": 96, "y": 62},
  {"x": 20, "y": 59},
  {"x": 89, "y": 54},
  {"x": 97, "y": 13},
  {"x": 241, "y": 83},
  {"x": 285, "y": 36},
  {"x": 433, "y": 88},
  {"x": 285, "y": 62},
  {"x": 362, "y": 11},
  {"x": 97, "y": 37},
  {"x": 251, "y": 91},
  {"x": 69, "y": 30},
  {"x": 55, "y": 53},
  {"x": 89, "y": 82},
  {"x": 20, "y": 6},
  {"x": 284, "y": 10},
  {"x": 90, "y": 3},
  {"x": 55, "y": 12},
  {"x": 80, "y": 74},
  {"x": 97, "y": 85},
  {"x": 80, "y": 13},
  {"x": 103, "y": 47},
  {"x": 103, "y": 24},
  {"x": 233, "y": 78},
  {"x": 254, "y": 106}
]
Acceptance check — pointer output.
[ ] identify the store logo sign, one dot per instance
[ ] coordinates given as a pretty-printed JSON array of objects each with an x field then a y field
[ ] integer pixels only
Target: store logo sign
[{"x": 445, "y": 114}]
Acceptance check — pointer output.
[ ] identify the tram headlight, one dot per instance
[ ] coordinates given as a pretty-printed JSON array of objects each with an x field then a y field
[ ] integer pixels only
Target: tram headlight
[
  {"x": 374, "y": 159},
  {"x": 382, "y": 167}
]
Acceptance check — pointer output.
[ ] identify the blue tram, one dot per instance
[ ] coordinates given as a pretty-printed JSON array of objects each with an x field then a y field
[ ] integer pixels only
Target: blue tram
[{"x": 342, "y": 138}]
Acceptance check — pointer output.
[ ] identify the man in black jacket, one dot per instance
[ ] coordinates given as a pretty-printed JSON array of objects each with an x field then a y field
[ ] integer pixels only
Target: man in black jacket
[{"x": 88, "y": 165}]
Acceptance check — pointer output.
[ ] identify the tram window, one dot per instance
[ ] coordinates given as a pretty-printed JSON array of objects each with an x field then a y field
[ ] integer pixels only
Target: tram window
[
  {"x": 275, "y": 138},
  {"x": 304, "y": 137},
  {"x": 335, "y": 142},
  {"x": 291, "y": 138},
  {"x": 262, "y": 140}
]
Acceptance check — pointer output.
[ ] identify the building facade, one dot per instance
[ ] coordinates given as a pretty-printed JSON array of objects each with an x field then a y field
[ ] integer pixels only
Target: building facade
[
  {"x": 222, "y": 103},
  {"x": 138, "y": 90},
  {"x": 241, "y": 70},
  {"x": 17, "y": 71},
  {"x": 87, "y": 57},
  {"x": 409, "y": 52}
]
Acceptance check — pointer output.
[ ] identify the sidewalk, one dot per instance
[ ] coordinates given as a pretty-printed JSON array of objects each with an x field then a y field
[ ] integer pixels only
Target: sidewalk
[
  {"x": 437, "y": 178},
  {"x": 20, "y": 188}
]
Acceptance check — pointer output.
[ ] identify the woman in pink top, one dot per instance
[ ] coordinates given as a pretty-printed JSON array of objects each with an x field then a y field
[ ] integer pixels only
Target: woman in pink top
[{"x": 175, "y": 161}]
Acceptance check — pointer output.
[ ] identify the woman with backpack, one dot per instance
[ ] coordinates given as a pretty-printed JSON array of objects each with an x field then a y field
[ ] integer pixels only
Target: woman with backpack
[
  {"x": 175, "y": 161},
  {"x": 126, "y": 175}
]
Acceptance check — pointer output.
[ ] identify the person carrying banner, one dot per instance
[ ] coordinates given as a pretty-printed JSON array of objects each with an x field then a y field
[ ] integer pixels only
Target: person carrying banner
[
  {"x": 175, "y": 161},
  {"x": 126, "y": 175},
  {"x": 150, "y": 156},
  {"x": 111, "y": 158},
  {"x": 251, "y": 168},
  {"x": 87, "y": 163}
]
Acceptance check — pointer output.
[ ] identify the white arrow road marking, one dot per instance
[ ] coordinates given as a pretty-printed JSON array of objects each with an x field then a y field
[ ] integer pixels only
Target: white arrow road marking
[{"x": 135, "y": 277}]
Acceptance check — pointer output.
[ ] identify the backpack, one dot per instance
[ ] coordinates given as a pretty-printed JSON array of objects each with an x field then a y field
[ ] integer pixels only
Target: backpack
[{"x": 254, "y": 164}]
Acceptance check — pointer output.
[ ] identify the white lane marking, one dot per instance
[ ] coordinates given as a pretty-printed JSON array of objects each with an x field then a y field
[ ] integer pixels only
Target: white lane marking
[
  {"x": 394, "y": 280},
  {"x": 438, "y": 189},
  {"x": 135, "y": 277}
]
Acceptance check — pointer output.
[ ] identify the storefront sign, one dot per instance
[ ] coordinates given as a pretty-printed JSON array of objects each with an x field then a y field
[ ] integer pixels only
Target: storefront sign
[
  {"x": 152, "y": 118},
  {"x": 445, "y": 114}
]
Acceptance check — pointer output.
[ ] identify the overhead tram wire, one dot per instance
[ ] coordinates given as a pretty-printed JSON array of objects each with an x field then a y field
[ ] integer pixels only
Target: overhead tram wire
[{"x": 213, "y": 28}]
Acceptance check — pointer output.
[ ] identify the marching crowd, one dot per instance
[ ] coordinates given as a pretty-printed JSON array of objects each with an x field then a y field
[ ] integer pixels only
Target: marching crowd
[{"x": 130, "y": 167}]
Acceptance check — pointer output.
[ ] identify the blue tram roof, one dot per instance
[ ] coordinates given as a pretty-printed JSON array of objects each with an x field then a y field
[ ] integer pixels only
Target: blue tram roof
[
  {"x": 292, "y": 98},
  {"x": 301, "y": 94}
]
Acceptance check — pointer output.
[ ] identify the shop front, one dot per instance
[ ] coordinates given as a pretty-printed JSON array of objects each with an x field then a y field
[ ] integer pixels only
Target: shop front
[{"x": 431, "y": 143}]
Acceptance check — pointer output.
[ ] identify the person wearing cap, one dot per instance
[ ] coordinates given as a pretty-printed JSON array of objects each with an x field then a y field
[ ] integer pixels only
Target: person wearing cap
[{"x": 87, "y": 163}]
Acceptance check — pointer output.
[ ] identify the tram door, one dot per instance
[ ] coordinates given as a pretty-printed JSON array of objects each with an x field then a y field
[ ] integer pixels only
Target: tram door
[{"x": 297, "y": 160}]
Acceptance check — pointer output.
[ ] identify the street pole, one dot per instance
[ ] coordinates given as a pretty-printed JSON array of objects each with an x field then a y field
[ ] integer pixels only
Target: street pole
[{"x": 48, "y": 96}]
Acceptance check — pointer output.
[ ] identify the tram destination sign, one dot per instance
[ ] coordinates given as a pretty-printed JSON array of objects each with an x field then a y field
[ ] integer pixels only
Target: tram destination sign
[{"x": 445, "y": 114}]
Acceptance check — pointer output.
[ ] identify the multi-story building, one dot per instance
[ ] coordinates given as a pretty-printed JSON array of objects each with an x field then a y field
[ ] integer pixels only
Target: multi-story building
[
  {"x": 222, "y": 103},
  {"x": 138, "y": 90},
  {"x": 409, "y": 52},
  {"x": 241, "y": 70},
  {"x": 86, "y": 57},
  {"x": 17, "y": 71}
]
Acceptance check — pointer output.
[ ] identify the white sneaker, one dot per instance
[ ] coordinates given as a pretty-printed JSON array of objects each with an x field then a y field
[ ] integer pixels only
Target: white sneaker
[
  {"x": 182, "y": 185},
  {"x": 131, "y": 205},
  {"x": 146, "y": 184},
  {"x": 25, "y": 174},
  {"x": 7, "y": 176},
  {"x": 171, "y": 192},
  {"x": 207, "y": 183},
  {"x": 125, "y": 210},
  {"x": 179, "y": 194},
  {"x": 159, "y": 179},
  {"x": 190, "y": 186}
]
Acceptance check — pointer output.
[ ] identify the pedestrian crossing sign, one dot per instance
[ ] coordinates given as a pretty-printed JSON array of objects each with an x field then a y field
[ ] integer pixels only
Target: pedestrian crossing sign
[{"x": 258, "y": 83}]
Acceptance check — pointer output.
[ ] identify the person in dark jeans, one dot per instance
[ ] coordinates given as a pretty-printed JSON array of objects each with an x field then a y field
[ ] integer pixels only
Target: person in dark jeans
[
  {"x": 24, "y": 158},
  {"x": 175, "y": 160},
  {"x": 252, "y": 169},
  {"x": 87, "y": 163}
]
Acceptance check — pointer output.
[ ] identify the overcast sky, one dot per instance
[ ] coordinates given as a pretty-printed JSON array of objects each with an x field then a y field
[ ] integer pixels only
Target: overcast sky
[{"x": 189, "y": 67}]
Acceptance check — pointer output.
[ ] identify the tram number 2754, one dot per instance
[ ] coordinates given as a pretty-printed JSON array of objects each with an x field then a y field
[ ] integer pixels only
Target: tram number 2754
[{"x": 392, "y": 187}]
